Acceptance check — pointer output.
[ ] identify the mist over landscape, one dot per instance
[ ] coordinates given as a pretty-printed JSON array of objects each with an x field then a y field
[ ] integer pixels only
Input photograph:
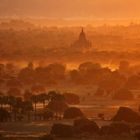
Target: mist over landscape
[{"x": 69, "y": 69}]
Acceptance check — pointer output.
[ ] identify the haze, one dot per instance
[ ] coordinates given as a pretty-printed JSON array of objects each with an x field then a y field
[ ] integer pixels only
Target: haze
[{"x": 104, "y": 9}]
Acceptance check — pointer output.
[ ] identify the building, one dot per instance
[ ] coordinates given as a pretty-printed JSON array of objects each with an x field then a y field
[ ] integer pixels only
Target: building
[{"x": 82, "y": 43}]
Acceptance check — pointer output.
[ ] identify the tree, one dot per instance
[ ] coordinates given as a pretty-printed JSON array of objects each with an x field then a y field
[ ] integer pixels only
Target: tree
[
  {"x": 27, "y": 75},
  {"x": 4, "y": 115},
  {"x": 48, "y": 114},
  {"x": 17, "y": 107},
  {"x": 113, "y": 82},
  {"x": 4, "y": 100},
  {"x": 42, "y": 98},
  {"x": 34, "y": 99},
  {"x": 1, "y": 101},
  {"x": 75, "y": 76},
  {"x": 10, "y": 101},
  {"x": 73, "y": 113},
  {"x": 27, "y": 107},
  {"x": 57, "y": 71},
  {"x": 87, "y": 66},
  {"x": 52, "y": 94},
  {"x": 57, "y": 103},
  {"x": 90, "y": 73}
]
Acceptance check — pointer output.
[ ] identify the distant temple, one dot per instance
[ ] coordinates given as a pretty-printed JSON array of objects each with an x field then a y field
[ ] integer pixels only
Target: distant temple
[{"x": 82, "y": 43}]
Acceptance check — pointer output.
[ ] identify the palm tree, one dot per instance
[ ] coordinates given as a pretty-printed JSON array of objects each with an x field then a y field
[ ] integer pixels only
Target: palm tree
[
  {"x": 10, "y": 101},
  {"x": 34, "y": 99},
  {"x": 17, "y": 107},
  {"x": 1, "y": 101},
  {"x": 43, "y": 97},
  {"x": 4, "y": 115},
  {"x": 51, "y": 95},
  {"x": 27, "y": 107}
]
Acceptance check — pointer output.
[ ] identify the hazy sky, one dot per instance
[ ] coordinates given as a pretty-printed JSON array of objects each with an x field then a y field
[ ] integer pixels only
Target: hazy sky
[{"x": 71, "y": 8}]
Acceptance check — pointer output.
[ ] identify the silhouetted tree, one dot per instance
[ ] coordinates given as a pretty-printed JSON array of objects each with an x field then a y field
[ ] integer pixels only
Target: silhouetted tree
[
  {"x": 34, "y": 99},
  {"x": 27, "y": 107},
  {"x": 4, "y": 115},
  {"x": 57, "y": 103},
  {"x": 43, "y": 97}
]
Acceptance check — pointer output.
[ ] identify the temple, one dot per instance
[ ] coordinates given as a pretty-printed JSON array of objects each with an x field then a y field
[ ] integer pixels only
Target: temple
[{"x": 82, "y": 42}]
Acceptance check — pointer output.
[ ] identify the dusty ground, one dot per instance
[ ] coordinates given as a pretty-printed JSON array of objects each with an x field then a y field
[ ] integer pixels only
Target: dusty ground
[
  {"x": 92, "y": 138},
  {"x": 29, "y": 129},
  {"x": 32, "y": 131},
  {"x": 35, "y": 128}
]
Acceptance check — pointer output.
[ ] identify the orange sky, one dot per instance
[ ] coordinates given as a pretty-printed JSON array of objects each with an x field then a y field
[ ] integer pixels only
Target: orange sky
[{"x": 71, "y": 8}]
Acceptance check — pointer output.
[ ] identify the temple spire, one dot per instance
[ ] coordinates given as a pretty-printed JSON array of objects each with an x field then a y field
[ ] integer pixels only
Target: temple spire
[
  {"x": 82, "y": 36},
  {"x": 82, "y": 43},
  {"x": 82, "y": 30}
]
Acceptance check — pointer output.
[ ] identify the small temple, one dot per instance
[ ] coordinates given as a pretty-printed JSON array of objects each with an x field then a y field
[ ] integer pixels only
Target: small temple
[{"x": 82, "y": 42}]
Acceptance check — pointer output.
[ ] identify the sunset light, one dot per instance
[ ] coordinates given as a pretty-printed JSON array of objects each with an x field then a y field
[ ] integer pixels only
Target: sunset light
[{"x": 69, "y": 70}]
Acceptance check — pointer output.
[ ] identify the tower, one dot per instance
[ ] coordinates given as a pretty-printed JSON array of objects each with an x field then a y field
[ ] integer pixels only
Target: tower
[
  {"x": 82, "y": 44},
  {"x": 82, "y": 36}
]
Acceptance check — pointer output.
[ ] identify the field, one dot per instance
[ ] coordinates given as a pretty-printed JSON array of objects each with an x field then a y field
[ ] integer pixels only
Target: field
[{"x": 33, "y": 130}]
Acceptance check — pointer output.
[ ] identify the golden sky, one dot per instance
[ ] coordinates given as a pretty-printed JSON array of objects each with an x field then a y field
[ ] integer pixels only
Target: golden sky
[{"x": 71, "y": 8}]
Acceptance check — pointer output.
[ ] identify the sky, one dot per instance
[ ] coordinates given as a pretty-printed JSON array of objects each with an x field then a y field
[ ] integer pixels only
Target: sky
[{"x": 97, "y": 9}]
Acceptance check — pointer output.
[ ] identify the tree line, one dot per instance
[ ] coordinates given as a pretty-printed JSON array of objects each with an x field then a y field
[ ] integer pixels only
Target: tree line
[{"x": 30, "y": 107}]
